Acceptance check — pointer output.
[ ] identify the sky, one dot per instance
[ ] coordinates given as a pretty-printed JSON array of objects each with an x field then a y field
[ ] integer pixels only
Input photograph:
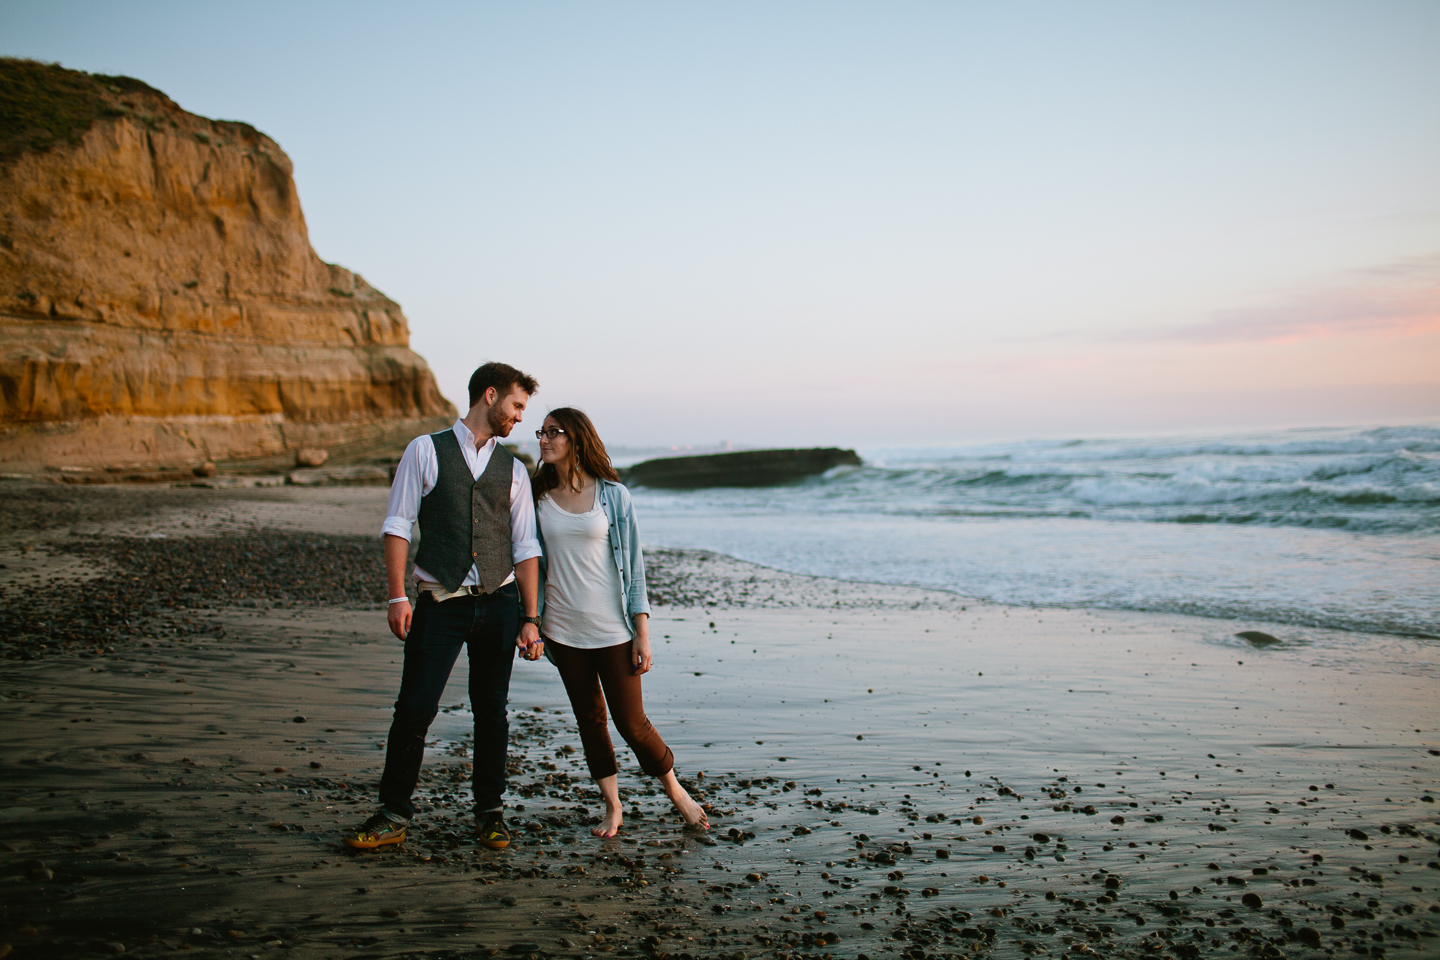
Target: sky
[{"x": 802, "y": 223}]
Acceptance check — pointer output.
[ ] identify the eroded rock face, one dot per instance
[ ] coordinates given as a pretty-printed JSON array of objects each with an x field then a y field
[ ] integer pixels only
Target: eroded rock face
[{"x": 160, "y": 304}]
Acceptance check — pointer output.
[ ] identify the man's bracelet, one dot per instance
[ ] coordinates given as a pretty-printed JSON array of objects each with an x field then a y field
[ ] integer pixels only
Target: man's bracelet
[{"x": 400, "y": 600}]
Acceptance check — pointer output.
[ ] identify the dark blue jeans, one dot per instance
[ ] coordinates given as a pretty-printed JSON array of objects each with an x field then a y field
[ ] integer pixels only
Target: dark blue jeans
[{"x": 487, "y": 627}]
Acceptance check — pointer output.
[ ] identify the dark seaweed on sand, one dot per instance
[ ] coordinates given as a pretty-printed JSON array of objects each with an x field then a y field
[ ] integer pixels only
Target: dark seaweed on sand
[{"x": 159, "y": 588}]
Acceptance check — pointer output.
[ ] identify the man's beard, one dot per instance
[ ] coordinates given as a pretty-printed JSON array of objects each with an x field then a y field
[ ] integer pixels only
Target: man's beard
[{"x": 498, "y": 423}]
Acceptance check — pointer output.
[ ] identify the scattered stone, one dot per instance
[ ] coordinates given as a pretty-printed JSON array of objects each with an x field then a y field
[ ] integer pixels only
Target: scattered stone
[
  {"x": 311, "y": 457},
  {"x": 1257, "y": 639},
  {"x": 207, "y": 469},
  {"x": 1309, "y": 936},
  {"x": 1253, "y": 901}
]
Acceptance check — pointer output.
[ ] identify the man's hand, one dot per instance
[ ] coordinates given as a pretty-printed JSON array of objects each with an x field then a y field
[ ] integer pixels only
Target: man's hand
[
  {"x": 529, "y": 642},
  {"x": 400, "y": 617}
]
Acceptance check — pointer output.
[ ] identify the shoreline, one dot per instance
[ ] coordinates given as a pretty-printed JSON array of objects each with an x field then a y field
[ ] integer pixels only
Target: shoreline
[{"x": 843, "y": 736}]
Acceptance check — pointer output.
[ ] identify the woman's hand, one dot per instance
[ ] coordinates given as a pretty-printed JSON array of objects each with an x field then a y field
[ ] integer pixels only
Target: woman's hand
[{"x": 640, "y": 657}]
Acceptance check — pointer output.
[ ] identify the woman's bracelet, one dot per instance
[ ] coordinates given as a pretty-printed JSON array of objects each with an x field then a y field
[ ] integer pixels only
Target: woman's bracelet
[{"x": 400, "y": 600}]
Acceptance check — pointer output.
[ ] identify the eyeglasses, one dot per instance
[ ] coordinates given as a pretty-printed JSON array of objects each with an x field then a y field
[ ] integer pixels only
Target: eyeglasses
[{"x": 549, "y": 434}]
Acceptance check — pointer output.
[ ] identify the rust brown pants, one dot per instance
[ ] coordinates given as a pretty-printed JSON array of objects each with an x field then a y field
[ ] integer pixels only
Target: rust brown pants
[{"x": 594, "y": 678}]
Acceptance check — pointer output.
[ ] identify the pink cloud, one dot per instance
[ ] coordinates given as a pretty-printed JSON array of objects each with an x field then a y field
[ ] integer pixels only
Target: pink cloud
[{"x": 1400, "y": 299}]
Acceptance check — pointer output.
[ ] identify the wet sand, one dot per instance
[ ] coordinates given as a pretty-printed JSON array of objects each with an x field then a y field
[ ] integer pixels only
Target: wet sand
[{"x": 890, "y": 772}]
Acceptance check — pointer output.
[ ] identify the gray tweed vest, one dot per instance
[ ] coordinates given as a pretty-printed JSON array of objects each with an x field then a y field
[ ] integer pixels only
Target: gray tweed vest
[{"x": 465, "y": 521}]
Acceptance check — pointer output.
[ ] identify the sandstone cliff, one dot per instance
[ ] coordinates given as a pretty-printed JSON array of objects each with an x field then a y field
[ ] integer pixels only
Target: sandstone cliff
[{"x": 160, "y": 304}]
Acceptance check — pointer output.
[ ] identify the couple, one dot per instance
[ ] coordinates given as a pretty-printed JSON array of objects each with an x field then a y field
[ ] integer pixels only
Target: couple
[{"x": 494, "y": 554}]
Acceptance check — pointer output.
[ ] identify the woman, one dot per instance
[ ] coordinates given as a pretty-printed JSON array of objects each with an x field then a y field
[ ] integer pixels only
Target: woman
[{"x": 596, "y": 619}]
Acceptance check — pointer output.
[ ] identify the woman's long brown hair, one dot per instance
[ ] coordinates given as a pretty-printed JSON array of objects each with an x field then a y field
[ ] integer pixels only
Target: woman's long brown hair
[{"x": 587, "y": 452}]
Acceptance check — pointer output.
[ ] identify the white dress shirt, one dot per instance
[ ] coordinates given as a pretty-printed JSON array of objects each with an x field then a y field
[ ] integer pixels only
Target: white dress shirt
[{"x": 417, "y": 474}]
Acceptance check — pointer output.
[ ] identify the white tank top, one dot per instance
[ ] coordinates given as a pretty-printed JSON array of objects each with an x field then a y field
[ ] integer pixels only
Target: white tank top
[{"x": 582, "y": 584}]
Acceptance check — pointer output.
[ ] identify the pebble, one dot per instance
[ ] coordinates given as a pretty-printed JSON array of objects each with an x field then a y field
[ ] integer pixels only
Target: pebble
[{"x": 1253, "y": 901}]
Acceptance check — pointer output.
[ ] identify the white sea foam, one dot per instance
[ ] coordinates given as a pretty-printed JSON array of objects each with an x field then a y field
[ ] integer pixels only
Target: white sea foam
[{"x": 1328, "y": 527}]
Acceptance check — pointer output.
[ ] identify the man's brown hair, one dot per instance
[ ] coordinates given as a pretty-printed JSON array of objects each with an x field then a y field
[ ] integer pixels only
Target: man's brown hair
[
  {"x": 587, "y": 452},
  {"x": 502, "y": 377}
]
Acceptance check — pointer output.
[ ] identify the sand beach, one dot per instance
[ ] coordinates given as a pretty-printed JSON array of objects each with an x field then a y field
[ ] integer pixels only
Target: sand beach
[{"x": 197, "y": 686}]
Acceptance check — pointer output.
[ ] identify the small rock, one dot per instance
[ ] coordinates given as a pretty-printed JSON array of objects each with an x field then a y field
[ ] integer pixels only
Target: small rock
[
  {"x": 1117, "y": 819},
  {"x": 509, "y": 901},
  {"x": 113, "y": 947},
  {"x": 298, "y": 719},
  {"x": 1257, "y": 639},
  {"x": 207, "y": 469},
  {"x": 316, "y": 764},
  {"x": 390, "y": 912},
  {"x": 1040, "y": 838},
  {"x": 524, "y": 947},
  {"x": 1358, "y": 834},
  {"x": 1308, "y": 936},
  {"x": 1253, "y": 901},
  {"x": 311, "y": 457}
]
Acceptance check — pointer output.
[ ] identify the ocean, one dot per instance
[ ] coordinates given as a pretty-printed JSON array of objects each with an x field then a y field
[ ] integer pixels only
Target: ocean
[{"x": 1327, "y": 527}]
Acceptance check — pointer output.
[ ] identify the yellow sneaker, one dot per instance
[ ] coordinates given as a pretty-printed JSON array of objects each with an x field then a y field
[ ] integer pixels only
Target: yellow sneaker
[
  {"x": 492, "y": 832},
  {"x": 378, "y": 831}
]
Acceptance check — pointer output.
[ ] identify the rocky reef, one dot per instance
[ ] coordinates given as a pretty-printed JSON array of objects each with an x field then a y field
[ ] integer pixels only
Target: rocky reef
[
  {"x": 745, "y": 468},
  {"x": 160, "y": 303}
]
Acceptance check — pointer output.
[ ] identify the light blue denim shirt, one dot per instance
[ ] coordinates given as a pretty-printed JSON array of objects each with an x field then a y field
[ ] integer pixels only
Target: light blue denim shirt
[{"x": 624, "y": 544}]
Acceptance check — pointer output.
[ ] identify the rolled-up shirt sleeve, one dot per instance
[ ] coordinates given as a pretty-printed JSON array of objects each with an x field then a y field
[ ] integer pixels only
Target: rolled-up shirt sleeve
[
  {"x": 414, "y": 477},
  {"x": 524, "y": 535}
]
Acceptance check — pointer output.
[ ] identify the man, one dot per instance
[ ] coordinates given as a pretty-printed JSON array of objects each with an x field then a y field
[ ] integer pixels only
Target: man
[{"x": 476, "y": 571}]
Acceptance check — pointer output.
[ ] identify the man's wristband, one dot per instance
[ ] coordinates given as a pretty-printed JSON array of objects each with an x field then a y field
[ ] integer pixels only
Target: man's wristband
[
  {"x": 534, "y": 620},
  {"x": 400, "y": 600}
]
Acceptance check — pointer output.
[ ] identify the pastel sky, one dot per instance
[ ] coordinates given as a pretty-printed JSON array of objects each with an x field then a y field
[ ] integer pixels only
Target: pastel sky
[{"x": 856, "y": 223}]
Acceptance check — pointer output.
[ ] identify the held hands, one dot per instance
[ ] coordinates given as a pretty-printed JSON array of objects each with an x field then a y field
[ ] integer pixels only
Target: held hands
[
  {"x": 640, "y": 658},
  {"x": 529, "y": 642}
]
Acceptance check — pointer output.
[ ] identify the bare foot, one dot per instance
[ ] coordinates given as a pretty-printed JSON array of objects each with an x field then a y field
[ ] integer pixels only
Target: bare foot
[
  {"x": 693, "y": 813},
  {"x": 609, "y": 826}
]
